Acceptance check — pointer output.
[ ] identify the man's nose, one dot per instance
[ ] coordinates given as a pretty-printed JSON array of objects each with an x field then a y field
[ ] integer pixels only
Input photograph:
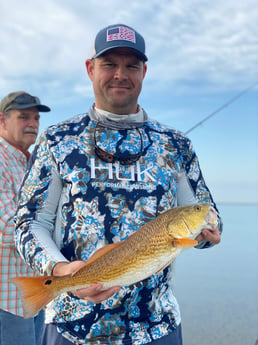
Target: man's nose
[
  {"x": 33, "y": 123},
  {"x": 121, "y": 73}
]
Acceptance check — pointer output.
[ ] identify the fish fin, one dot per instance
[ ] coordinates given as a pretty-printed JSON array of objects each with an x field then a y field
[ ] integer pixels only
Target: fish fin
[
  {"x": 36, "y": 293},
  {"x": 184, "y": 242},
  {"x": 99, "y": 253}
]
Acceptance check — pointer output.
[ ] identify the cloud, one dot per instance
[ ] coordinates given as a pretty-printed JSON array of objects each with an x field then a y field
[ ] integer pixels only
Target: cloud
[
  {"x": 201, "y": 54},
  {"x": 212, "y": 41},
  {"x": 47, "y": 42}
]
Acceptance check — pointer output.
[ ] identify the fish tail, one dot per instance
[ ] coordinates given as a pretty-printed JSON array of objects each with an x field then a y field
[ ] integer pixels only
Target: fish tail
[{"x": 36, "y": 293}]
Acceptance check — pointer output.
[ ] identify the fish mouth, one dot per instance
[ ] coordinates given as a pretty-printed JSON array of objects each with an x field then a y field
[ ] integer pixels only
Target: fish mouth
[{"x": 212, "y": 219}]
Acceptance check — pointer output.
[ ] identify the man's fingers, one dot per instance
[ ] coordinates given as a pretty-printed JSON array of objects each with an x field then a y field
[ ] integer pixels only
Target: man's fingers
[
  {"x": 95, "y": 293},
  {"x": 103, "y": 295},
  {"x": 211, "y": 236}
]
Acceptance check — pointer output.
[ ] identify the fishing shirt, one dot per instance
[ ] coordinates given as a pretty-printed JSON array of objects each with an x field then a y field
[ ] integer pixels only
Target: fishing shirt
[
  {"x": 73, "y": 203},
  {"x": 13, "y": 164}
]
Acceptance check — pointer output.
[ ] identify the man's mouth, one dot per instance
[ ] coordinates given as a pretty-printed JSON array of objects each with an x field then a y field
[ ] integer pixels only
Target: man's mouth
[
  {"x": 30, "y": 131},
  {"x": 119, "y": 86}
]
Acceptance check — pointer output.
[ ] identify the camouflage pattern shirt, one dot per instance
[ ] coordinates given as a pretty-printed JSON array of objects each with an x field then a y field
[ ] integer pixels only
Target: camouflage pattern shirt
[{"x": 72, "y": 203}]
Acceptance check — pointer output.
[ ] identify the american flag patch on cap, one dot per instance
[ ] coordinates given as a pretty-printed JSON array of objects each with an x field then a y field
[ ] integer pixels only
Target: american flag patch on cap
[{"x": 120, "y": 33}]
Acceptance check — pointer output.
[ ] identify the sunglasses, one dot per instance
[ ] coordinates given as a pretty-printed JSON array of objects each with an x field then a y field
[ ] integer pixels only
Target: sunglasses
[
  {"x": 26, "y": 99},
  {"x": 111, "y": 158}
]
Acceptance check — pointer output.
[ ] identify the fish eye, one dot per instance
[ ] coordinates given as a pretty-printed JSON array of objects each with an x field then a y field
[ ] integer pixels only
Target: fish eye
[{"x": 198, "y": 208}]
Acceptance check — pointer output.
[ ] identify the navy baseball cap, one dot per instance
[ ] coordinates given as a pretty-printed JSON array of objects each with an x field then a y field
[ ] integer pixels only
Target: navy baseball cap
[
  {"x": 119, "y": 36},
  {"x": 21, "y": 100}
]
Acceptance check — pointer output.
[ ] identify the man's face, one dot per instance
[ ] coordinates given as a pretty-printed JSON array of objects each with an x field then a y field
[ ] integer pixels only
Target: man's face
[
  {"x": 117, "y": 80},
  {"x": 20, "y": 127}
]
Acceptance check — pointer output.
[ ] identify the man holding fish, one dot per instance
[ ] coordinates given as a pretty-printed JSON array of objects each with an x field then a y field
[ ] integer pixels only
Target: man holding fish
[{"x": 101, "y": 213}]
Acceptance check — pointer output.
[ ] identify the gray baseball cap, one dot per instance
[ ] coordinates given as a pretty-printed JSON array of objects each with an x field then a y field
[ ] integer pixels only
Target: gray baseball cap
[
  {"x": 119, "y": 36},
  {"x": 21, "y": 100}
]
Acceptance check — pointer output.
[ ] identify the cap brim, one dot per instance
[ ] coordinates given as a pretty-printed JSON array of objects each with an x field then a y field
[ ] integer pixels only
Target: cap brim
[
  {"x": 40, "y": 107},
  {"x": 103, "y": 51}
]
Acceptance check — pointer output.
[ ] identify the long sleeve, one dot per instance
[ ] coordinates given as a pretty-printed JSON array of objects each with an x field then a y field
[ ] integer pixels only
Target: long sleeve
[
  {"x": 36, "y": 222},
  {"x": 191, "y": 186}
]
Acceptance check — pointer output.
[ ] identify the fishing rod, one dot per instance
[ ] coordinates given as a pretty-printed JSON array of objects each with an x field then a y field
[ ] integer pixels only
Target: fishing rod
[{"x": 222, "y": 107}]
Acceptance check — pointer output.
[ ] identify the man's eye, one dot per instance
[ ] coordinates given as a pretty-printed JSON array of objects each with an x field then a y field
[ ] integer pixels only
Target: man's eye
[
  {"x": 134, "y": 66},
  {"x": 109, "y": 64}
]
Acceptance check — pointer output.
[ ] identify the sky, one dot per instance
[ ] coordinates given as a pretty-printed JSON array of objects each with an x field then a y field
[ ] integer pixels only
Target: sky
[{"x": 202, "y": 60}]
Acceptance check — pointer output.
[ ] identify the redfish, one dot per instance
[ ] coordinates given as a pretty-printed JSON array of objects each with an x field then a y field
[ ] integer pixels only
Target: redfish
[{"x": 146, "y": 252}]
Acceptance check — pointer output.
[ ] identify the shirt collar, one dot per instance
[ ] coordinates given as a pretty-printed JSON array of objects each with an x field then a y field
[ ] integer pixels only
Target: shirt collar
[{"x": 115, "y": 121}]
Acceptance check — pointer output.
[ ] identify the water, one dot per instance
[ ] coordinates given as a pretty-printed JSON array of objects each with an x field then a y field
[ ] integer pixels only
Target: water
[{"x": 217, "y": 288}]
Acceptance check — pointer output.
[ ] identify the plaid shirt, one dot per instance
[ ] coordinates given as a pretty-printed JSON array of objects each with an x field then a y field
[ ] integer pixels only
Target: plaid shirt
[{"x": 13, "y": 164}]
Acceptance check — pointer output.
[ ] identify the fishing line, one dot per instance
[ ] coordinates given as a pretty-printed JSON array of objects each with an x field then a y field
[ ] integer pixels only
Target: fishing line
[{"x": 222, "y": 107}]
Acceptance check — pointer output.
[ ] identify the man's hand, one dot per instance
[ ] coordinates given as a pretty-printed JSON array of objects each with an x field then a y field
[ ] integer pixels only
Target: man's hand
[
  {"x": 93, "y": 293},
  {"x": 212, "y": 236}
]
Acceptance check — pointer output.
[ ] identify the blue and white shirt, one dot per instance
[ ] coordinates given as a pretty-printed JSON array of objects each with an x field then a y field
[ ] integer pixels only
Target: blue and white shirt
[{"x": 72, "y": 203}]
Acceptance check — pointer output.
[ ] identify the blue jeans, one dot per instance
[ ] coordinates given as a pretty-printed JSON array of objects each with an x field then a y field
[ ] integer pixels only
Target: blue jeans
[
  {"x": 15, "y": 330},
  {"x": 52, "y": 337}
]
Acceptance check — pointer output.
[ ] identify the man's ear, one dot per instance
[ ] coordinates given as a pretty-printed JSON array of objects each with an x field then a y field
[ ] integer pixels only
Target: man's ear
[
  {"x": 144, "y": 70},
  {"x": 2, "y": 119},
  {"x": 89, "y": 67}
]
